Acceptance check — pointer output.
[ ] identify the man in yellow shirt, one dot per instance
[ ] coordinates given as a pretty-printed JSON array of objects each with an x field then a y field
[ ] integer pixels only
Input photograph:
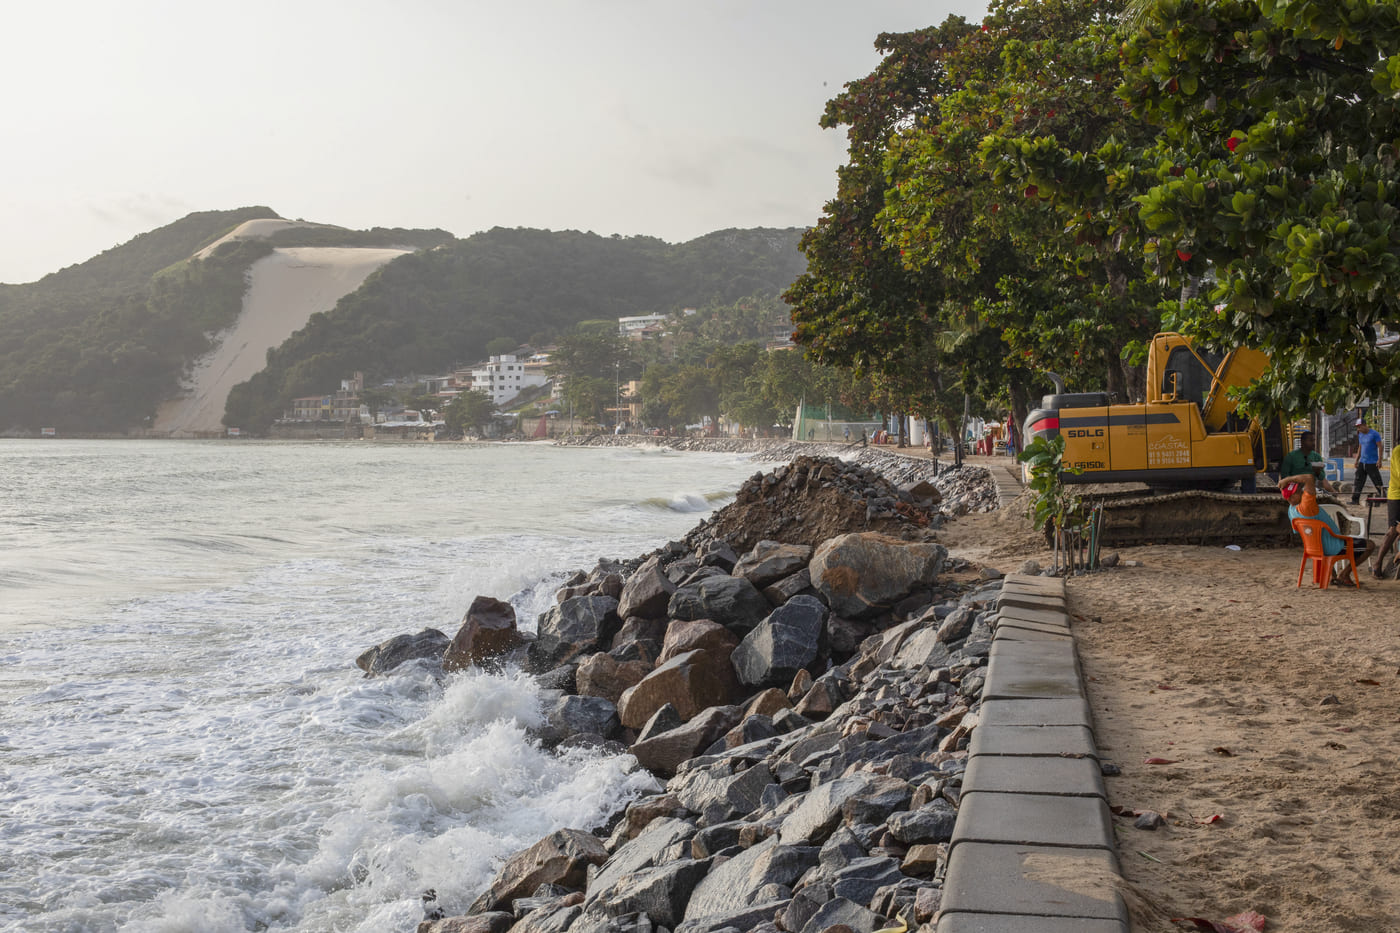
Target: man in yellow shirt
[{"x": 1392, "y": 517}]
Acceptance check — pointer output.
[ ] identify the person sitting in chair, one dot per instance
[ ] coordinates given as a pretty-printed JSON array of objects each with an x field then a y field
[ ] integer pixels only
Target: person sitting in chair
[{"x": 1301, "y": 493}]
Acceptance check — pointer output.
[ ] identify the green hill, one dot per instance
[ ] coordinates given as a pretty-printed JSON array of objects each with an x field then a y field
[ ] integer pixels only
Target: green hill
[
  {"x": 426, "y": 311},
  {"x": 97, "y": 346}
]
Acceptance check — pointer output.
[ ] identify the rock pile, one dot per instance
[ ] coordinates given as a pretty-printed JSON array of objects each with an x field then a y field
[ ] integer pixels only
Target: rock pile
[
  {"x": 806, "y": 689},
  {"x": 728, "y": 445},
  {"x": 810, "y": 785}
]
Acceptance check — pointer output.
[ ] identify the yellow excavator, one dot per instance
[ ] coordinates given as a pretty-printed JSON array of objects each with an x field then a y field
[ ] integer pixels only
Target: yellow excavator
[{"x": 1164, "y": 470}]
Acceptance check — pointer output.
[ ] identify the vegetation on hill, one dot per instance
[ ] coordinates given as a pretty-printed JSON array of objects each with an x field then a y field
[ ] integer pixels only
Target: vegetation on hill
[
  {"x": 96, "y": 346},
  {"x": 428, "y": 311}
]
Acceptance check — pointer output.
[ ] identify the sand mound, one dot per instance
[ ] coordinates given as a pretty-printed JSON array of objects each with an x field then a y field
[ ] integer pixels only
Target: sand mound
[
  {"x": 256, "y": 230},
  {"x": 284, "y": 290}
]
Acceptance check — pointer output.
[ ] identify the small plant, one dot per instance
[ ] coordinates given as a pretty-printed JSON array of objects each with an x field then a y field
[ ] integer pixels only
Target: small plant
[{"x": 1053, "y": 508}]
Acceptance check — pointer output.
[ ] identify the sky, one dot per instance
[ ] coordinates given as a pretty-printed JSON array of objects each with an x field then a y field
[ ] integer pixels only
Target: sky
[{"x": 631, "y": 117}]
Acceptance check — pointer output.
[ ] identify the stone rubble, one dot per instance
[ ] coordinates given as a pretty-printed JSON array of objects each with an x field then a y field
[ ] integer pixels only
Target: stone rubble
[{"x": 807, "y": 702}]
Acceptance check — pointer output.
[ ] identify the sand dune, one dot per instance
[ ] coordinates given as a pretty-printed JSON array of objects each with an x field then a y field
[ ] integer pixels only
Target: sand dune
[{"x": 286, "y": 288}]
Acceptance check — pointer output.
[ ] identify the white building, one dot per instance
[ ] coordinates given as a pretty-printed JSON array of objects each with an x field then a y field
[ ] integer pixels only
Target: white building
[
  {"x": 506, "y": 376},
  {"x": 627, "y": 326}
]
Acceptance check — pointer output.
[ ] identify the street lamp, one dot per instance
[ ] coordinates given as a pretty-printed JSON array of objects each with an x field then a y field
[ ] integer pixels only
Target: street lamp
[{"x": 617, "y": 399}]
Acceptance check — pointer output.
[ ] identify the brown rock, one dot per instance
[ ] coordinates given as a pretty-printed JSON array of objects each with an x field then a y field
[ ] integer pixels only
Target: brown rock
[
  {"x": 488, "y": 631},
  {"x": 494, "y": 922},
  {"x": 768, "y": 702},
  {"x": 560, "y": 858},
  {"x": 665, "y": 752},
  {"x": 801, "y": 683},
  {"x": 602, "y": 675},
  {"x": 688, "y": 635},
  {"x": 690, "y": 682},
  {"x": 862, "y": 574}
]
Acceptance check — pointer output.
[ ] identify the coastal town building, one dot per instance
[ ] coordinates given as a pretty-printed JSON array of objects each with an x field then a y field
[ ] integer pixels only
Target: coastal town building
[
  {"x": 506, "y": 376},
  {"x": 341, "y": 405}
]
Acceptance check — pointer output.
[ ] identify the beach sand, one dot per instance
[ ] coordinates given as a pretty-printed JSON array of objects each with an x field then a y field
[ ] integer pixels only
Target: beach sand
[
  {"x": 285, "y": 289},
  {"x": 1274, "y": 709}
]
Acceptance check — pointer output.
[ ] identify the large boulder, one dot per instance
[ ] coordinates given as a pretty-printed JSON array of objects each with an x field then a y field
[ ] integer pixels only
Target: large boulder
[
  {"x": 647, "y": 593},
  {"x": 789, "y": 640},
  {"x": 427, "y": 645},
  {"x": 578, "y": 626},
  {"x": 579, "y": 715},
  {"x": 560, "y": 858},
  {"x": 488, "y": 631},
  {"x": 690, "y": 682},
  {"x": 737, "y": 884},
  {"x": 733, "y": 602},
  {"x": 863, "y": 574},
  {"x": 771, "y": 561},
  {"x": 689, "y": 634}
]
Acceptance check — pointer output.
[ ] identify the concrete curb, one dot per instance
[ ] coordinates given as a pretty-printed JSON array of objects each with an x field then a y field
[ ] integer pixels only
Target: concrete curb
[{"x": 1033, "y": 808}]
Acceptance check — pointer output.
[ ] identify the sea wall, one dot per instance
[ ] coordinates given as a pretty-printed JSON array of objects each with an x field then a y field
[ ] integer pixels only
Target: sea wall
[{"x": 803, "y": 702}]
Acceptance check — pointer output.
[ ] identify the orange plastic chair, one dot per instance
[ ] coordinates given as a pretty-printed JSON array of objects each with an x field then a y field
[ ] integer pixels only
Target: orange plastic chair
[{"x": 1311, "y": 530}]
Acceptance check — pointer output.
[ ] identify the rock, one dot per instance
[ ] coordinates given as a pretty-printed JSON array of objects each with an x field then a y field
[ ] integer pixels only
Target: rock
[
  {"x": 820, "y": 811},
  {"x": 494, "y": 922},
  {"x": 663, "y": 753},
  {"x": 956, "y": 626},
  {"x": 560, "y": 858},
  {"x": 1031, "y": 568},
  {"x": 771, "y": 561},
  {"x": 842, "y": 912},
  {"x": 575, "y": 715},
  {"x": 859, "y": 880},
  {"x": 717, "y": 554},
  {"x": 781, "y": 591},
  {"x": 690, "y": 682},
  {"x": 647, "y": 593},
  {"x": 602, "y": 675},
  {"x": 920, "y": 492},
  {"x": 733, "y": 885},
  {"x": 639, "y": 640},
  {"x": 427, "y": 645},
  {"x": 1109, "y": 560},
  {"x": 488, "y": 631},
  {"x": 877, "y": 800},
  {"x": 663, "y": 720},
  {"x": 721, "y": 796},
  {"x": 789, "y": 640},
  {"x": 689, "y": 634},
  {"x": 1148, "y": 819},
  {"x": 928, "y": 824},
  {"x": 731, "y": 601},
  {"x": 549, "y": 920},
  {"x": 578, "y": 626},
  {"x": 767, "y": 703},
  {"x": 922, "y": 861},
  {"x": 661, "y": 892},
  {"x": 862, "y": 574},
  {"x": 649, "y": 848}
]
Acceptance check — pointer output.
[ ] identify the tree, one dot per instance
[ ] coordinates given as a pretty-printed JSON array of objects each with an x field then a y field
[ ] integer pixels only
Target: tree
[
  {"x": 499, "y": 346},
  {"x": 469, "y": 412},
  {"x": 1277, "y": 177}
]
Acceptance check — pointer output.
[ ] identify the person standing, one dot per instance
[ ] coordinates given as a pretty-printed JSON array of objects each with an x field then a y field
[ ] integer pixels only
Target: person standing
[
  {"x": 1392, "y": 516},
  {"x": 1368, "y": 461}
]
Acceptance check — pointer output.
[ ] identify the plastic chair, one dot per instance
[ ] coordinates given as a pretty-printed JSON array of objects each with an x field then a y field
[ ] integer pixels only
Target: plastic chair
[{"x": 1312, "y": 530}]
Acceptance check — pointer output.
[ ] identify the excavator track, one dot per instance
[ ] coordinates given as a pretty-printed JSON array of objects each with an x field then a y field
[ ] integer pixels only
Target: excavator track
[{"x": 1137, "y": 517}]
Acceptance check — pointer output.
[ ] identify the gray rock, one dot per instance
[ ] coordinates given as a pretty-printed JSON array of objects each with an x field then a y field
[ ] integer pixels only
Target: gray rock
[
  {"x": 642, "y": 852},
  {"x": 660, "y": 891},
  {"x": 885, "y": 795},
  {"x": 842, "y": 912},
  {"x": 548, "y": 920},
  {"x": 754, "y": 918},
  {"x": 790, "y": 639},
  {"x": 930, "y": 823},
  {"x": 578, "y": 626},
  {"x": 494, "y": 922},
  {"x": 860, "y": 879},
  {"x": 663, "y": 720},
  {"x": 573, "y": 715},
  {"x": 771, "y": 561},
  {"x": 732, "y": 886},
  {"x": 712, "y": 790},
  {"x": 820, "y": 811},
  {"x": 647, "y": 593},
  {"x": 427, "y": 645},
  {"x": 731, "y": 601}
]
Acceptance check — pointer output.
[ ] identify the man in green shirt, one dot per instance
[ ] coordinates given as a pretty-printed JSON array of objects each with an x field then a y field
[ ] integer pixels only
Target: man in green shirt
[{"x": 1303, "y": 459}]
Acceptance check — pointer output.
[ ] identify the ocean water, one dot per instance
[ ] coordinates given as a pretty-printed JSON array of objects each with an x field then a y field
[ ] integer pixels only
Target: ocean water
[{"x": 185, "y": 742}]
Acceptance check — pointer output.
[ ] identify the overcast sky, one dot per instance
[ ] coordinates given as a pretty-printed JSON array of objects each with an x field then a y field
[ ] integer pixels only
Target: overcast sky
[{"x": 650, "y": 117}]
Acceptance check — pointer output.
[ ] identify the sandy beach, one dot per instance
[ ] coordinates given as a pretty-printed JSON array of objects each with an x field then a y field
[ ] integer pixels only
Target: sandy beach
[{"x": 1260, "y": 719}]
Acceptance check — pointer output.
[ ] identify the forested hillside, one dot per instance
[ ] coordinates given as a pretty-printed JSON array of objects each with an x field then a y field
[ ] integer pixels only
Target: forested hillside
[
  {"x": 97, "y": 346},
  {"x": 426, "y": 311}
]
